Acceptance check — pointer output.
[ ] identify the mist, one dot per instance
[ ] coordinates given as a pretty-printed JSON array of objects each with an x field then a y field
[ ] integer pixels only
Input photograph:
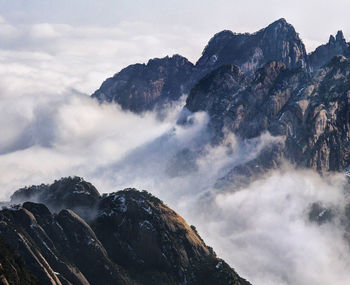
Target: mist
[
  {"x": 51, "y": 128},
  {"x": 262, "y": 230}
]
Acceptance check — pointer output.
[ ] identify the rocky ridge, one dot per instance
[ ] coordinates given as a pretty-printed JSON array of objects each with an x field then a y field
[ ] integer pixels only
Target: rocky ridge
[
  {"x": 141, "y": 87},
  {"x": 144, "y": 87},
  {"x": 323, "y": 54},
  {"x": 13, "y": 269},
  {"x": 133, "y": 238},
  {"x": 265, "y": 82}
]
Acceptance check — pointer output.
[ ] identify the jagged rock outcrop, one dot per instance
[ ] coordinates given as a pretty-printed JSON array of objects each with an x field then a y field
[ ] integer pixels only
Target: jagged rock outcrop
[
  {"x": 142, "y": 87},
  {"x": 324, "y": 53},
  {"x": 279, "y": 41},
  {"x": 316, "y": 121},
  {"x": 134, "y": 238}
]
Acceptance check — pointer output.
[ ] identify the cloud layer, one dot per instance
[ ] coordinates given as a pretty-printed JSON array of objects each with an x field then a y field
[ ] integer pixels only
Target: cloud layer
[
  {"x": 50, "y": 129},
  {"x": 50, "y": 58},
  {"x": 263, "y": 230}
]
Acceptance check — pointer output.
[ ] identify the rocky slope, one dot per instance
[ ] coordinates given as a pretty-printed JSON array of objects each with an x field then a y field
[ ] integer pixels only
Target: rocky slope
[
  {"x": 132, "y": 238},
  {"x": 13, "y": 269},
  {"x": 308, "y": 112}
]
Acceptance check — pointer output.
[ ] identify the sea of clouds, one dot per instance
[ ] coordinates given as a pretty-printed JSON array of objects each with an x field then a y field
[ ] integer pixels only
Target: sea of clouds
[{"x": 51, "y": 129}]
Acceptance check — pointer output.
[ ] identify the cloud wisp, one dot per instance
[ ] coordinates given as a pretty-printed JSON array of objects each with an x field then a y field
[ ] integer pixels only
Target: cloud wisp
[
  {"x": 262, "y": 230},
  {"x": 50, "y": 129}
]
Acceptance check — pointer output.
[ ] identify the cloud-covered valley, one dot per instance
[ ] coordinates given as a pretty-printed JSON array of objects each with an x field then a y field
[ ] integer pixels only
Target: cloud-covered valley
[
  {"x": 50, "y": 128},
  {"x": 262, "y": 230}
]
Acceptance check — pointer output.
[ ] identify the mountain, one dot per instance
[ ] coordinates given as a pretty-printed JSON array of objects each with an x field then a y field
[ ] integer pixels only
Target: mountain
[
  {"x": 278, "y": 41},
  {"x": 324, "y": 53},
  {"x": 266, "y": 83},
  {"x": 128, "y": 237},
  {"x": 141, "y": 87},
  {"x": 309, "y": 113}
]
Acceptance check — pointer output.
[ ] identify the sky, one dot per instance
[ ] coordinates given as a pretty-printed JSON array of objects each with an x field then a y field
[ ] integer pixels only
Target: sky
[
  {"x": 55, "y": 53},
  {"x": 84, "y": 41}
]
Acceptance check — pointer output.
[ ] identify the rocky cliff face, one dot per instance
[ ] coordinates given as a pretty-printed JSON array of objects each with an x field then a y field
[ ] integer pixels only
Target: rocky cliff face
[
  {"x": 250, "y": 84},
  {"x": 309, "y": 113},
  {"x": 279, "y": 41},
  {"x": 319, "y": 127},
  {"x": 133, "y": 238},
  {"x": 142, "y": 87}
]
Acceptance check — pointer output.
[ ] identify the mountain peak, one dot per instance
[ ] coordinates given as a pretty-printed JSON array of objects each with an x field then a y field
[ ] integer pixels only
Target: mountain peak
[
  {"x": 132, "y": 238},
  {"x": 323, "y": 54},
  {"x": 223, "y": 33},
  {"x": 340, "y": 36},
  {"x": 280, "y": 23},
  {"x": 331, "y": 39},
  {"x": 279, "y": 41}
]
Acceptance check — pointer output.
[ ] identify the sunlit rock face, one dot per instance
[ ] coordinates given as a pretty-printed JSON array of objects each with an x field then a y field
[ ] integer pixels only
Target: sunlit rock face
[{"x": 131, "y": 238}]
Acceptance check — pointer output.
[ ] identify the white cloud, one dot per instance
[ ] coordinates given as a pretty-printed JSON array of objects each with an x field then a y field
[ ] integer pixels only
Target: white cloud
[
  {"x": 263, "y": 230},
  {"x": 50, "y": 130},
  {"x": 50, "y": 58},
  {"x": 43, "y": 31},
  {"x": 265, "y": 233}
]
